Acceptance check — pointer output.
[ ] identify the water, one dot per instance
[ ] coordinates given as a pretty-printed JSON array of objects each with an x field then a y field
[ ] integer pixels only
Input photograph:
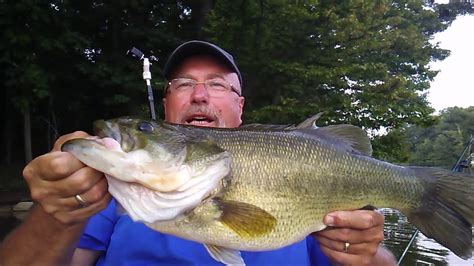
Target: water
[
  {"x": 398, "y": 233},
  {"x": 423, "y": 251}
]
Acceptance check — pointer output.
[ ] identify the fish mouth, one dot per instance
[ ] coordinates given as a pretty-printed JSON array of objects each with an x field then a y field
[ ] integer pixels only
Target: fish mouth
[
  {"x": 104, "y": 129},
  {"x": 108, "y": 135},
  {"x": 109, "y": 143}
]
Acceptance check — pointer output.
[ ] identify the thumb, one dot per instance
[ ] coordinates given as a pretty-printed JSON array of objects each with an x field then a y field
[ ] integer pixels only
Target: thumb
[{"x": 61, "y": 140}]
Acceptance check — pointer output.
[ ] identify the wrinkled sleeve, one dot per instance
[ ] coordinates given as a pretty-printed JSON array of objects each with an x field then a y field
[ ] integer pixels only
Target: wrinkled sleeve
[
  {"x": 99, "y": 229},
  {"x": 316, "y": 256}
]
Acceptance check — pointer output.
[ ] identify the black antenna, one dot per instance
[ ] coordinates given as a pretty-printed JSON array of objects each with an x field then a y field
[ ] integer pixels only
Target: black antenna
[{"x": 134, "y": 52}]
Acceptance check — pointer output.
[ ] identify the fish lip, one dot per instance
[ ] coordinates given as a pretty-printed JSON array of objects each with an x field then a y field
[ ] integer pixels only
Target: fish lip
[{"x": 106, "y": 129}]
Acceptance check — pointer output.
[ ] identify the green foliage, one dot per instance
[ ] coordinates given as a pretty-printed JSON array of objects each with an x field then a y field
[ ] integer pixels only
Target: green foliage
[
  {"x": 65, "y": 60},
  {"x": 363, "y": 62},
  {"x": 392, "y": 147},
  {"x": 442, "y": 143}
]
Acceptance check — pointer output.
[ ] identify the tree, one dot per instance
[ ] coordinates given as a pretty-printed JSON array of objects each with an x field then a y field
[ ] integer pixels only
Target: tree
[
  {"x": 64, "y": 62},
  {"x": 442, "y": 143},
  {"x": 364, "y": 63}
]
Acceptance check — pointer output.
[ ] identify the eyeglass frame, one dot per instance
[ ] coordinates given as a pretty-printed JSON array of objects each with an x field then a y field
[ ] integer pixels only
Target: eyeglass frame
[{"x": 232, "y": 87}]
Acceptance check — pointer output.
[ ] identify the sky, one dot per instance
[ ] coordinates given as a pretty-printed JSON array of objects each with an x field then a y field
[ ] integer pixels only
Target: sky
[{"x": 454, "y": 84}]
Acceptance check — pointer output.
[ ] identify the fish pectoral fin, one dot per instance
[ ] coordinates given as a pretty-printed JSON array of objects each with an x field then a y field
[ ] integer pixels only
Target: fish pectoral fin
[
  {"x": 245, "y": 219},
  {"x": 225, "y": 255}
]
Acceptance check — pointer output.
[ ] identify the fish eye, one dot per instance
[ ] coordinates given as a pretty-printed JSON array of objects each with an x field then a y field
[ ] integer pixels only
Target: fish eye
[{"x": 145, "y": 127}]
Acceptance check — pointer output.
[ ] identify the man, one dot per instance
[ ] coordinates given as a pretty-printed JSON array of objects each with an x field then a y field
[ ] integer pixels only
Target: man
[{"x": 205, "y": 90}]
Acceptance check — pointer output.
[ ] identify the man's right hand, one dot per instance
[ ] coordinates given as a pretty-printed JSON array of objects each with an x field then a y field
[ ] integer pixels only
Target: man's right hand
[{"x": 57, "y": 177}]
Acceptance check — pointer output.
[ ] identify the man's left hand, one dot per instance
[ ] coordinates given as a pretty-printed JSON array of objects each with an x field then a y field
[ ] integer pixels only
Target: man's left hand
[{"x": 361, "y": 229}]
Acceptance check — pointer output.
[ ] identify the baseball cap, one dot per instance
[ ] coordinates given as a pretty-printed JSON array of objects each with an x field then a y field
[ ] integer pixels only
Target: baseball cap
[{"x": 195, "y": 47}]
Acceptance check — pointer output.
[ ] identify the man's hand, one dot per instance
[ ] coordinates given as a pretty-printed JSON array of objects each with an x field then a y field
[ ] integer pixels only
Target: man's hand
[
  {"x": 57, "y": 177},
  {"x": 362, "y": 230},
  {"x": 50, "y": 233}
]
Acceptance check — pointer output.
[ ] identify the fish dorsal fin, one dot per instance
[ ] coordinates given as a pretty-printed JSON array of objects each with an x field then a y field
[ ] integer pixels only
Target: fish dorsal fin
[
  {"x": 247, "y": 220},
  {"x": 354, "y": 136},
  {"x": 310, "y": 123},
  {"x": 225, "y": 255},
  {"x": 263, "y": 127}
]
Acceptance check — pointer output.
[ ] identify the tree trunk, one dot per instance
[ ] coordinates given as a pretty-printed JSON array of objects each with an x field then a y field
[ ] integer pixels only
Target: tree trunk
[
  {"x": 27, "y": 133},
  {"x": 200, "y": 9},
  {"x": 7, "y": 135},
  {"x": 52, "y": 126}
]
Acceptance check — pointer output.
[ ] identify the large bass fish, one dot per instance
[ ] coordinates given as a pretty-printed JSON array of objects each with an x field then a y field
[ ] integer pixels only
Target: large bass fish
[{"x": 262, "y": 187}]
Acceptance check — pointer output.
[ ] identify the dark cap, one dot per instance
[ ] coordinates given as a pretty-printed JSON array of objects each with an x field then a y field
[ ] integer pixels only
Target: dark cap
[{"x": 193, "y": 48}]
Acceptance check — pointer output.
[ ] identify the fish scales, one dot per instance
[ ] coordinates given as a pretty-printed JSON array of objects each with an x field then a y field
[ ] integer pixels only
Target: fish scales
[
  {"x": 262, "y": 187},
  {"x": 319, "y": 180}
]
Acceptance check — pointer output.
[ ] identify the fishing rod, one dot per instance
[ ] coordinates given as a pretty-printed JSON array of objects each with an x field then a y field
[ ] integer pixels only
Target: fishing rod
[
  {"x": 460, "y": 164},
  {"x": 465, "y": 163},
  {"x": 134, "y": 52}
]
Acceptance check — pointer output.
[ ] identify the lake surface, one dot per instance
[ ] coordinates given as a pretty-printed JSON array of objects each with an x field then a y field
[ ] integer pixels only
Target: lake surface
[
  {"x": 423, "y": 251},
  {"x": 398, "y": 233}
]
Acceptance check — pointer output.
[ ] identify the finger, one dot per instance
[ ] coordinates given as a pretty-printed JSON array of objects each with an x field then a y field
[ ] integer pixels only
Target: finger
[
  {"x": 78, "y": 182},
  {"x": 60, "y": 141},
  {"x": 85, "y": 213},
  {"x": 52, "y": 166},
  {"x": 344, "y": 258},
  {"x": 374, "y": 234},
  {"x": 330, "y": 243},
  {"x": 352, "y": 248},
  {"x": 97, "y": 192},
  {"x": 93, "y": 195},
  {"x": 359, "y": 219}
]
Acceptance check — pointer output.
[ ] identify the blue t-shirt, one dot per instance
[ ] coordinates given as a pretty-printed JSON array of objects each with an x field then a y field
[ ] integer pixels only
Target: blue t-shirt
[{"x": 125, "y": 242}]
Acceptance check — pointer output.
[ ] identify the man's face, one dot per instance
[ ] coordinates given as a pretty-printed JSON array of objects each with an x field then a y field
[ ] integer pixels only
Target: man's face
[{"x": 197, "y": 106}]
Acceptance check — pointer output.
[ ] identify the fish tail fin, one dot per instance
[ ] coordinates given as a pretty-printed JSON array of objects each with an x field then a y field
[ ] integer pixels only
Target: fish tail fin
[{"x": 446, "y": 213}]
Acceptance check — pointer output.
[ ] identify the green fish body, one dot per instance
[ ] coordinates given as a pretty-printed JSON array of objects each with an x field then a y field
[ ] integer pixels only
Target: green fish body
[{"x": 262, "y": 187}]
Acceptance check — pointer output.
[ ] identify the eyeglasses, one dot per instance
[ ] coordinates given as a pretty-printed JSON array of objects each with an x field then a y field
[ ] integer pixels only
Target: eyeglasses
[{"x": 216, "y": 87}]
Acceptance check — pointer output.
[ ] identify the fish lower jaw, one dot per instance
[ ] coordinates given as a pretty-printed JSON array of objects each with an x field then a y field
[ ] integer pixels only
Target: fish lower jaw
[{"x": 169, "y": 205}]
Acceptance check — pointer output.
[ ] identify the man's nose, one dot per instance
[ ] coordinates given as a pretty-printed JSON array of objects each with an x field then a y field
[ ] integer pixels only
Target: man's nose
[{"x": 200, "y": 94}]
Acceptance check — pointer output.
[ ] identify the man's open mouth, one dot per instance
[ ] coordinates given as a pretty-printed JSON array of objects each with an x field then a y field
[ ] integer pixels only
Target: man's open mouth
[{"x": 199, "y": 120}]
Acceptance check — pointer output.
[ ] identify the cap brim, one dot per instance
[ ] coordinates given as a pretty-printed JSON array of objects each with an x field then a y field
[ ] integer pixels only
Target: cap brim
[{"x": 193, "y": 48}]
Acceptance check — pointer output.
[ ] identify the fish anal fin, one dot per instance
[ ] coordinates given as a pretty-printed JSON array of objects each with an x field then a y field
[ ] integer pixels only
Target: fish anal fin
[
  {"x": 247, "y": 220},
  {"x": 225, "y": 255},
  {"x": 354, "y": 136}
]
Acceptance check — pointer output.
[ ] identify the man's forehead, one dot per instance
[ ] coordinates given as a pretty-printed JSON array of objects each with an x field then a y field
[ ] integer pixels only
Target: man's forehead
[
  {"x": 202, "y": 63},
  {"x": 206, "y": 67}
]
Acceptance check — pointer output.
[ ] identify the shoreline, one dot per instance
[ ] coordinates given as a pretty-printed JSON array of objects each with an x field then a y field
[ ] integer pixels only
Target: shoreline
[
  {"x": 18, "y": 210},
  {"x": 15, "y": 203}
]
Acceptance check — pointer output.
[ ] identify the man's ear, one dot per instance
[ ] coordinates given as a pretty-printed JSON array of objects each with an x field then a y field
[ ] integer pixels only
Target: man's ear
[
  {"x": 163, "y": 102},
  {"x": 241, "y": 105}
]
